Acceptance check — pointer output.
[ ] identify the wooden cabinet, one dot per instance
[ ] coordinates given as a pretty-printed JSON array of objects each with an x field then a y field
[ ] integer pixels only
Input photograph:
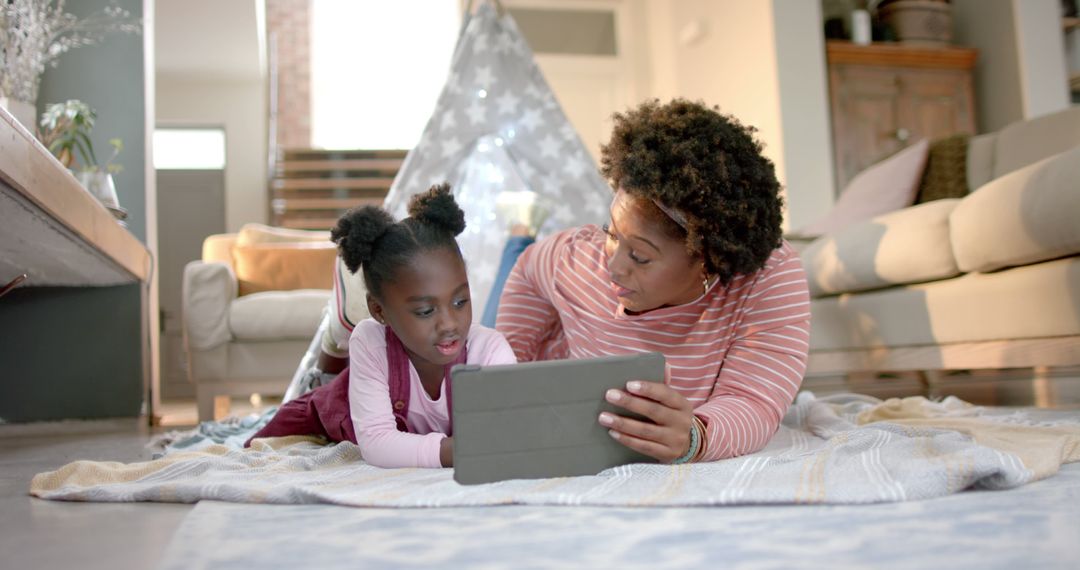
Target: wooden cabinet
[{"x": 885, "y": 96}]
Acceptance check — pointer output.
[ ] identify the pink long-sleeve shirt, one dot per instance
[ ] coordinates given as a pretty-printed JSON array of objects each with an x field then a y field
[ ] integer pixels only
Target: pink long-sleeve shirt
[
  {"x": 737, "y": 353},
  {"x": 428, "y": 420}
]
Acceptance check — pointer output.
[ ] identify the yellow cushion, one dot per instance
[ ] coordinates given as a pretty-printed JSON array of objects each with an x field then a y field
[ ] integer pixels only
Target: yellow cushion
[
  {"x": 252, "y": 233},
  {"x": 218, "y": 247},
  {"x": 284, "y": 266}
]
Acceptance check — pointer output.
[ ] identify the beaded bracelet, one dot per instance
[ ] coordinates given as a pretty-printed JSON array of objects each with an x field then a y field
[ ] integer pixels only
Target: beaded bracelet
[
  {"x": 695, "y": 443},
  {"x": 703, "y": 442}
]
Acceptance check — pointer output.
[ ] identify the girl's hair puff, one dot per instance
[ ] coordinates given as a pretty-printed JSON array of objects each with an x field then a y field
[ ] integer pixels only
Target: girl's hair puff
[{"x": 368, "y": 238}]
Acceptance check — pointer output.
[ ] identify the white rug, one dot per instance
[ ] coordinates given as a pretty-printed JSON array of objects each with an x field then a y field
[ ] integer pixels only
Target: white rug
[{"x": 1034, "y": 526}]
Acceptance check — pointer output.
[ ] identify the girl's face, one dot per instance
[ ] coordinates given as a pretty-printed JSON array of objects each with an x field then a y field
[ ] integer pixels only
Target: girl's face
[
  {"x": 427, "y": 304},
  {"x": 649, "y": 268}
]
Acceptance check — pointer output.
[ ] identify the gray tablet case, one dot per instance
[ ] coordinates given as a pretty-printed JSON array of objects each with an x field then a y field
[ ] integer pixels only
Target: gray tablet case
[{"x": 539, "y": 419}]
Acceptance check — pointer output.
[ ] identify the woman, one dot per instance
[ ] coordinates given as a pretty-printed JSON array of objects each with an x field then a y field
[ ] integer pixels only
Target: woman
[{"x": 690, "y": 264}]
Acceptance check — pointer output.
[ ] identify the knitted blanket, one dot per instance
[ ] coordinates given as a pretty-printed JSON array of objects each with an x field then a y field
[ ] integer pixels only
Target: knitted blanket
[{"x": 853, "y": 449}]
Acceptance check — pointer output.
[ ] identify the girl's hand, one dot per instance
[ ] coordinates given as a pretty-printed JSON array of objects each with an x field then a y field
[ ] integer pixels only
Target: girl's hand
[
  {"x": 668, "y": 437},
  {"x": 446, "y": 452}
]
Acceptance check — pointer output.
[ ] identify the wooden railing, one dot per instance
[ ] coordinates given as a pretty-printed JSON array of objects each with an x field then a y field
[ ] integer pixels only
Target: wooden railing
[{"x": 312, "y": 188}]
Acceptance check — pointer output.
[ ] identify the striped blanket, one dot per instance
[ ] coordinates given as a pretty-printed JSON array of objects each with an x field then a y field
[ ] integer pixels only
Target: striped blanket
[{"x": 853, "y": 449}]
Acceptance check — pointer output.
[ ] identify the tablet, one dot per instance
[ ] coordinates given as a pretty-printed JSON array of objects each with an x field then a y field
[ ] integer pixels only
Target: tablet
[{"x": 539, "y": 419}]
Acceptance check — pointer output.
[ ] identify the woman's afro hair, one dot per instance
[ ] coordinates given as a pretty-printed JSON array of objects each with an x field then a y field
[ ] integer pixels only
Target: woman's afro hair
[{"x": 709, "y": 167}]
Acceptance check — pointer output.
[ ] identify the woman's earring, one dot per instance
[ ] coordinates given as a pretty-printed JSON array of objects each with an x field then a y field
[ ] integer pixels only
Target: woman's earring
[{"x": 705, "y": 283}]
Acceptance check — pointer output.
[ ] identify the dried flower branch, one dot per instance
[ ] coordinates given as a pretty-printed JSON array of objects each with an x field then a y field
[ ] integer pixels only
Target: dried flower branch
[{"x": 34, "y": 33}]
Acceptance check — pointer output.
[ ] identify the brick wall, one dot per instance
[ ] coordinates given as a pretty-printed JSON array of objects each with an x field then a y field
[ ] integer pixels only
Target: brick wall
[{"x": 289, "y": 21}]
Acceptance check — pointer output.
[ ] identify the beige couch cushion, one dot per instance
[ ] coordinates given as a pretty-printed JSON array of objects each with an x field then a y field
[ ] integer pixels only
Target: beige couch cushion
[
  {"x": 906, "y": 246},
  {"x": 1033, "y": 301},
  {"x": 1025, "y": 142},
  {"x": 284, "y": 266},
  {"x": 980, "y": 160},
  {"x": 277, "y": 315},
  {"x": 1026, "y": 216}
]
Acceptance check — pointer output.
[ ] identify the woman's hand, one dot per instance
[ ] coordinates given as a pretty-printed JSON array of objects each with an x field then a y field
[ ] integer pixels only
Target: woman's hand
[{"x": 668, "y": 437}]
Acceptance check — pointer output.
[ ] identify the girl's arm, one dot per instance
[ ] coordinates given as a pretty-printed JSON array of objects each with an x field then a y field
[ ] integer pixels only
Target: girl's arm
[
  {"x": 381, "y": 444},
  {"x": 486, "y": 347}
]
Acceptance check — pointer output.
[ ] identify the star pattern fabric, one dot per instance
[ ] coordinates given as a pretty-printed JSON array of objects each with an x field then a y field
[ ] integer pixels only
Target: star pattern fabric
[{"x": 497, "y": 132}]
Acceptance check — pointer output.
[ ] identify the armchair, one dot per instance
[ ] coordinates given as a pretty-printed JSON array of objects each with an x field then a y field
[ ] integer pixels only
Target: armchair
[{"x": 250, "y": 308}]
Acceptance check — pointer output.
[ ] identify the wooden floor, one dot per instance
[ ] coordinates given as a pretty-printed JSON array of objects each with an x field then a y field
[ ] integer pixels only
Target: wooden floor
[
  {"x": 1055, "y": 388},
  {"x": 182, "y": 412}
]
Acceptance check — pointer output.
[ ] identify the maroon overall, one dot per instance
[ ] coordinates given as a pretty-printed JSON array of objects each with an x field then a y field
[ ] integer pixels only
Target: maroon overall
[{"x": 325, "y": 410}]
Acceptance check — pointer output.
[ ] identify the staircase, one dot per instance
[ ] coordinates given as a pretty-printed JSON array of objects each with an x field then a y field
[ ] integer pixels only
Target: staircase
[{"x": 312, "y": 188}]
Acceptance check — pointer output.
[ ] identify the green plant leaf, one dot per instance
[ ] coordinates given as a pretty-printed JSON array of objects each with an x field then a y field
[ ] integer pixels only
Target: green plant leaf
[{"x": 86, "y": 151}]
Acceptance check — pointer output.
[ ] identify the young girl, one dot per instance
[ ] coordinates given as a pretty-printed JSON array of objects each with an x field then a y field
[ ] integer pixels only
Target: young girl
[{"x": 394, "y": 399}]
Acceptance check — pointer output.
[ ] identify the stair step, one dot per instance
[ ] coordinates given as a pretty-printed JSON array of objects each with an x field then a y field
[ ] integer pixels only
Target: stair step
[
  {"x": 333, "y": 183},
  {"x": 353, "y": 164},
  {"x": 318, "y": 154},
  {"x": 282, "y": 205},
  {"x": 323, "y": 223},
  {"x": 312, "y": 188}
]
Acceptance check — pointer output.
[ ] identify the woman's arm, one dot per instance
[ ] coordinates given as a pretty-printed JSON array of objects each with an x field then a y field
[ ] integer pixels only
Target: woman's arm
[
  {"x": 762, "y": 371},
  {"x": 764, "y": 366}
]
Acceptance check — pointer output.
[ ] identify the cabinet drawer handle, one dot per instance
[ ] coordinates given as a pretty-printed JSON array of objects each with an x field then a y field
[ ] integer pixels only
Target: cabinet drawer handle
[{"x": 902, "y": 134}]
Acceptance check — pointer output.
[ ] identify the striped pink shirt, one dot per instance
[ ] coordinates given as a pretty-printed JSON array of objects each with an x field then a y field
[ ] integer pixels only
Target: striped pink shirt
[{"x": 738, "y": 352}]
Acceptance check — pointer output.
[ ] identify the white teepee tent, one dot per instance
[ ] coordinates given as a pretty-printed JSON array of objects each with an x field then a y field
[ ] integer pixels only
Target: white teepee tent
[{"x": 498, "y": 133}]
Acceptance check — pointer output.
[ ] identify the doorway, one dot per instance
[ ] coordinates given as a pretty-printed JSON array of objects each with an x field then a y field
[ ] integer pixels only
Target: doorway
[{"x": 190, "y": 168}]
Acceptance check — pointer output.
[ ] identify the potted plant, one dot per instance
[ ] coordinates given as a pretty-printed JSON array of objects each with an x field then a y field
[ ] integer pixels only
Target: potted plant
[{"x": 65, "y": 131}]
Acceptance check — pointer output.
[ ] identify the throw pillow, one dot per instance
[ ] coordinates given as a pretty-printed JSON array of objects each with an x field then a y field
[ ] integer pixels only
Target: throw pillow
[
  {"x": 284, "y": 266},
  {"x": 889, "y": 185},
  {"x": 946, "y": 170},
  {"x": 252, "y": 233}
]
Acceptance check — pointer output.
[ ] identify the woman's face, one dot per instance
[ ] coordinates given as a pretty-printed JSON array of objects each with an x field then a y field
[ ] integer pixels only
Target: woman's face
[
  {"x": 428, "y": 306},
  {"x": 649, "y": 268}
]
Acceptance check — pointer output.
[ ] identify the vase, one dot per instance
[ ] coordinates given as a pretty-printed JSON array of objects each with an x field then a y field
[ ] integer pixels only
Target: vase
[
  {"x": 23, "y": 111},
  {"x": 101, "y": 186},
  {"x": 923, "y": 22}
]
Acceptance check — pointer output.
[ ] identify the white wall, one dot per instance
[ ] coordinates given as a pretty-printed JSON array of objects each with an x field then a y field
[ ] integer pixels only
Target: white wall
[
  {"x": 211, "y": 71},
  {"x": 804, "y": 111},
  {"x": 240, "y": 107},
  {"x": 1041, "y": 47},
  {"x": 764, "y": 63},
  {"x": 1020, "y": 72}
]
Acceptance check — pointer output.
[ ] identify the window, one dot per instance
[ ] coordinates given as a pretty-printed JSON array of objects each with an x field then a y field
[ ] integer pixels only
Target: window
[
  {"x": 189, "y": 149},
  {"x": 377, "y": 69}
]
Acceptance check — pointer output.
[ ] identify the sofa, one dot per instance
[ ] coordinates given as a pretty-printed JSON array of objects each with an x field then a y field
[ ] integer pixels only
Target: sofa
[
  {"x": 987, "y": 281},
  {"x": 250, "y": 308}
]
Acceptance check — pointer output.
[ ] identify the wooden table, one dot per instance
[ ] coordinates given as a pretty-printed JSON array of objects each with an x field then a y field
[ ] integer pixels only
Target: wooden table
[{"x": 68, "y": 244}]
